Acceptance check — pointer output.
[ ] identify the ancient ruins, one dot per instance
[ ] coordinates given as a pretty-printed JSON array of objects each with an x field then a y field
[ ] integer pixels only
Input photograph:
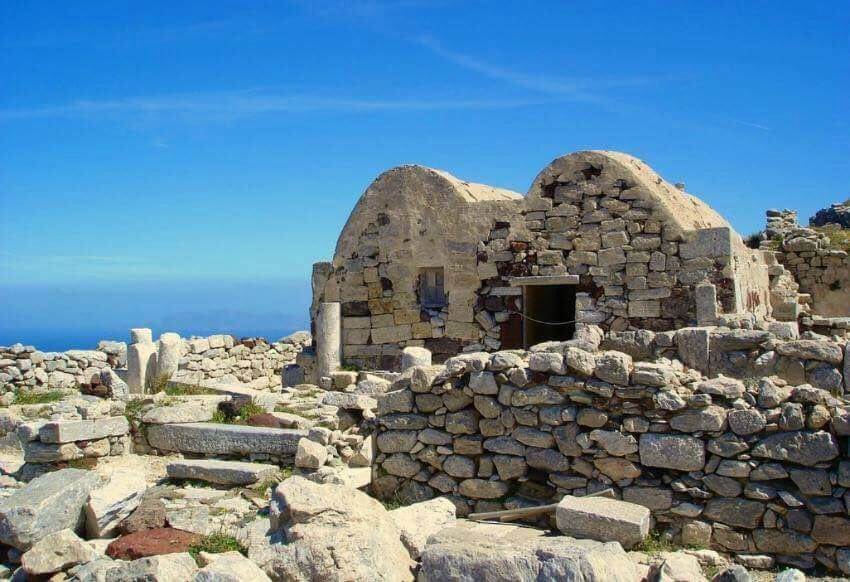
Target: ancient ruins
[{"x": 598, "y": 380}]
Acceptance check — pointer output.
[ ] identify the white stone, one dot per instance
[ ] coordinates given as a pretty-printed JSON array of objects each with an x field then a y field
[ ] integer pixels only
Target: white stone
[
  {"x": 114, "y": 501},
  {"x": 606, "y": 520}
]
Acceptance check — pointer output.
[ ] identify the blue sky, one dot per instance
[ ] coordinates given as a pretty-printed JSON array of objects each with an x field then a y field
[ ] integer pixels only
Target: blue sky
[{"x": 182, "y": 164}]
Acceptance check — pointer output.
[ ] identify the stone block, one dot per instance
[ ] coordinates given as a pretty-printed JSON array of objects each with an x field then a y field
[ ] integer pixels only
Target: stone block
[
  {"x": 605, "y": 520},
  {"x": 225, "y": 439}
]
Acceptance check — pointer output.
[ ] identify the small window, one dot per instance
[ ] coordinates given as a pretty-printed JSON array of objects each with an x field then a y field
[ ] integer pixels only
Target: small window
[{"x": 432, "y": 292}]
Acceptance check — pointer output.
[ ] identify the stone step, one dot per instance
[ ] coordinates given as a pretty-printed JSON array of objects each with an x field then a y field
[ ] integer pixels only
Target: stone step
[
  {"x": 267, "y": 400},
  {"x": 224, "y": 439},
  {"x": 221, "y": 472}
]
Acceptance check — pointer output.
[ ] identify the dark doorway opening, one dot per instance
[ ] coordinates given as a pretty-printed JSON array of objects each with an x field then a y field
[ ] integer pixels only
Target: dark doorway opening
[{"x": 545, "y": 305}]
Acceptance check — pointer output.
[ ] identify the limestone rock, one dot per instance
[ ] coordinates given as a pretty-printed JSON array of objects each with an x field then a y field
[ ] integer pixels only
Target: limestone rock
[
  {"x": 672, "y": 451},
  {"x": 230, "y": 567},
  {"x": 221, "y": 472},
  {"x": 812, "y": 350},
  {"x": 419, "y": 521},
  {"x": 310, "y": 455},
  {"x": 171, "y": 567},
  {"x": 334, "y": 533},
  {"x": 471, "y": 553},
  {"x": 801, "y": 447},
  {"x": 114, "y": 501},
  {"x": 606, "y": 520},
  {"x": 48, "y": 504},
  {"x": 56, "y": 552}
]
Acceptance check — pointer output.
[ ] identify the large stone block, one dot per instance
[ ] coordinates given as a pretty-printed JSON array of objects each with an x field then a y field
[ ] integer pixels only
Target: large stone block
[
  {"x": 224, "y": 439},
  {"x": 605, "y": 520},
  {"x": 48, "y": 504},
  {"x": 69, "y": 431},
  {"x": 801, "y": 447},
  {"x": 221, "y": 472},
  {"x": 672, "y": 451}
]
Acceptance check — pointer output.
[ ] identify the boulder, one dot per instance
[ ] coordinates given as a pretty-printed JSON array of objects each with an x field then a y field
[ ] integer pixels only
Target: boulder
[
  {"x": 334, "y": 532},
  {"x": 150, "y": 514},
  {"x": 500, "y": 552},
  {"x": 677, "y": 567},
  {"x": 230, "y": 567},
  {"x": 419, "y": 521},
  {"x": 48, "y": 504},
  {"x": 605, "y": 520},
  {"x": 56, "y": 552},
  {"x": 151, "y": 542},
  {"x": 172, "y": 567},
  {"x": 806, "y": 349},
  {"x": 113, "y": 502},
  {"x": 310, "y": 455}
]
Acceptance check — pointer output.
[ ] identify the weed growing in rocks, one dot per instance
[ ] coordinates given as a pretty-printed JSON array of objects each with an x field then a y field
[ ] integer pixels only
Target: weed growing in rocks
[
  {"x": 216, "y": 543},
  {"x": 656, "y": 543},
  {"x": 186, "y": 390},
  {"x": 29, "y": 397}
]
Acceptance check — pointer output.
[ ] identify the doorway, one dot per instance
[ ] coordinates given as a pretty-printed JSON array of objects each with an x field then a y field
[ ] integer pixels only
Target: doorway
[{"x": 544, "y": 305}]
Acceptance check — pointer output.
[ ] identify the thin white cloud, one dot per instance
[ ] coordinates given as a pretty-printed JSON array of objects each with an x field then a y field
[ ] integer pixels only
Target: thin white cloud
[
  {"x": 749, "y": 124},
  {"x": 226, "y": 106},
  {"x": 578, "y": 89}
]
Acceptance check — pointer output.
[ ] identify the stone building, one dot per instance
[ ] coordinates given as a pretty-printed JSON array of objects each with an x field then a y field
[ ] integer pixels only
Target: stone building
[{"x": 426, "y": 259}]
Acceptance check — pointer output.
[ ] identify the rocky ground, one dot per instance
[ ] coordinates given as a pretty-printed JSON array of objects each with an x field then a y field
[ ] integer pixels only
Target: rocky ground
[{"x": 223, "y": 482}]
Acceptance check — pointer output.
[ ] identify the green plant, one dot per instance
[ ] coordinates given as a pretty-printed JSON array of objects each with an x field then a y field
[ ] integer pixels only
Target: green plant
[
  {"x": 156, "y": 384},
  {"x": 133, "y": 409},
  {"x": 839, "y": 238},
  {"x": 29, "y": 397},
  {"x": 754, "y": 240},
  {"x": 216, "y": 543},
  {"x": 219, "y": 417},
  {"x": 249, "y": 410},
  {"x": 656, "y": 543},
  {"x": 350, "y": 368},
  {"x": 266, "y": 485},
  {"x": 187, "y": 390},
  {"x": 393, "y": 502}
]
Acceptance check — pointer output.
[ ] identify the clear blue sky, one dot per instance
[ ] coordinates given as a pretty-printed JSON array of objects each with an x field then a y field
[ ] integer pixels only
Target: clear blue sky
[{"x": 182, "y": 164}]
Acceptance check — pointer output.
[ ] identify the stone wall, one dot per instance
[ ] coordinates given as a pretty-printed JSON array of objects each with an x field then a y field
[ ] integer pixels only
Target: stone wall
[
  {"x": 27, "y": 368},
  {"x": 750, "y": 462},
  {"x": 253, "y": 361},
  {"x": 821, "y": 271},
  {"x": 635, "y": 247}
]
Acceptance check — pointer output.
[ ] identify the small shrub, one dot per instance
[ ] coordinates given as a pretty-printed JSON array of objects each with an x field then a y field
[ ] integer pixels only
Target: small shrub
[
  {"x": 656, "y": 543},
  {"x": 350, "y": 368},
  {"x": 839, "y": 238},
  {"x": 393, "y": 503},
  {"x": 219, "y": 417},
  {"x": 754, "y": 240},
  {"x": 249, "y": 410},
  {"x": 216, "y": 543},
  {"x": 187, "y": 390},
  {"x": 133, "y": 409},
  {"x": 156, "y": 384},
  {"x": 29, "y": 397}
]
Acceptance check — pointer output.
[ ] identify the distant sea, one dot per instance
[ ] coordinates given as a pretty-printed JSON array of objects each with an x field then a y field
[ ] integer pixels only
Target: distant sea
[{"x": 60, "y": 341}]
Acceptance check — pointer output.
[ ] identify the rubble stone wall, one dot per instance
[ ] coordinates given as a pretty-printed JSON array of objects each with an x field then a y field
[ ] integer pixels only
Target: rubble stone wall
[
  {"x": 254, "y": 361},
  {"x": 26, "y": 367},
  {"x": 751, "y": 462},
  {"x": 821, "y": 271}
]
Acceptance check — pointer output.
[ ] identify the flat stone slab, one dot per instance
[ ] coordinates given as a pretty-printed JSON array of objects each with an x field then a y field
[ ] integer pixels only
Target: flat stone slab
[
  {"x": 224, "y": 439},
  {"x": 69, "y": 431},
  {"x": 221, "y": 472},
  {"x": 605, "y": 520},
  {"x": 47, "y": 504}
]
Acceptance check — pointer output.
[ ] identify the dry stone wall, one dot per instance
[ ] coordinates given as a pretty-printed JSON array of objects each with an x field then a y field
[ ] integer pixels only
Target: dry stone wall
[
  {"x": 25, "y": 367},
  {"x": 822, "y": 271},
  {"x": 750, "y": 461}
]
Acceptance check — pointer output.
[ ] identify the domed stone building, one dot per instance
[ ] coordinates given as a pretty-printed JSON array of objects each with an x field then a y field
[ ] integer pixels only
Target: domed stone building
[{"x": 426, "y": 259}]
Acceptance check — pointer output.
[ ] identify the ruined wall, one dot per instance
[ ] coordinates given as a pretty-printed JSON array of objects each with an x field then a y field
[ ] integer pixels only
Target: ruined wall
[
  {"x": 635, "y": 246},
  {"x": 747, "y": 467},
  {"x": 820, "y": 269}
]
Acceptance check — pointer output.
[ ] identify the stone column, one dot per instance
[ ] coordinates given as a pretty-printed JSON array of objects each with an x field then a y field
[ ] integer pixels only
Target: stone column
[
  {"x": 328, "y": 339},
  {"x": 141, "y": 359},
  {"x": 168, "y": 355},
  {"x": 414, "y": 356}
]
